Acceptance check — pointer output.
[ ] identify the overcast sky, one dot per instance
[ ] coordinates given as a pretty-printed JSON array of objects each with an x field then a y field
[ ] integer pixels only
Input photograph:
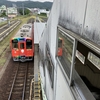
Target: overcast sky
[{"x": 33, "y": 0}]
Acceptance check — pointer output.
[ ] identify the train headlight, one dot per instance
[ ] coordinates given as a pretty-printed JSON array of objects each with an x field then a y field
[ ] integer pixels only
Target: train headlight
[{"x": 22, "y": 51}]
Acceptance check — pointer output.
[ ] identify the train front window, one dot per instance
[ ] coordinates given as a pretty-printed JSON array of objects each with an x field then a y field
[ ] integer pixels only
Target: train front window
[
  {"x": 15, "y": 43},
  {"x": 21, "y": 45},
  {"x": 28, "y": 44}
]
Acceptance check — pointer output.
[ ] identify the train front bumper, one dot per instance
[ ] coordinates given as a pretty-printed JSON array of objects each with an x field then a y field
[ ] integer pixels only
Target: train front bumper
[{"x": 23, "y": 58}]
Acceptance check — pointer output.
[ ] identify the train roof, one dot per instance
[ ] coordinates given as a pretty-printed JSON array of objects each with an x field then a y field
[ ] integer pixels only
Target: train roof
[{"x": 25, "y": 31}]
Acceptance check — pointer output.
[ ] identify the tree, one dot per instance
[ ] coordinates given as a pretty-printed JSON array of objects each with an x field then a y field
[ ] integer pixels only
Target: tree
[
  {"x": 3, "y": 14},
  {"x": 26, "y": 11}
]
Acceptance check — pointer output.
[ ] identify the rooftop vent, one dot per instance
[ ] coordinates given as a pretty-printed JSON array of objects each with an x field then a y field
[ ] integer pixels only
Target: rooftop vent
[{"x": 22, "y": 34}]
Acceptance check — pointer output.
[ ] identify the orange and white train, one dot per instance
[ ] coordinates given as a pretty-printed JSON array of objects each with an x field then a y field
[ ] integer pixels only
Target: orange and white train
[{"x": 22, "y": 44}]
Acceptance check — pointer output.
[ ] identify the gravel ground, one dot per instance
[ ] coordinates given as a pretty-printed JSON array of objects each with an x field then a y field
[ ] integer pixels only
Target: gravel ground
[{"x": 5, "y": 73}]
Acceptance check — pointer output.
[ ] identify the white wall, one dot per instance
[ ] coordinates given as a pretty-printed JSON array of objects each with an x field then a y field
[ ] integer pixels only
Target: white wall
[
  {"x": 49, "y": 36},
  {"x": 62, "y": 89},
  {"x": 92, "y": 22},
  {"x": 70, "y": 14},
  {"x": 74, "y": 15}
]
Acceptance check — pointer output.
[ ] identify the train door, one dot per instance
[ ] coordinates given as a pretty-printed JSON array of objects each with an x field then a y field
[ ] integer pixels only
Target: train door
[
  {"x": 22, "y": 50},
  {"x": 29, "y": 48}
]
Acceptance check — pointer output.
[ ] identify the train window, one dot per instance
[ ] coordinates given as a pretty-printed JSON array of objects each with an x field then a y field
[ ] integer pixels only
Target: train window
[
  {"x": 94, "y": 60},
  {"x": 65, "y": 50},
  {"x": 80, "y": 56},
  {"x": 21, "y": 39},
  {"x": 15, "y": 43},
  {"x": 88, "y": 72},
  {"x": 21, "y": 45},
  {"x": 28, "y": 44}
]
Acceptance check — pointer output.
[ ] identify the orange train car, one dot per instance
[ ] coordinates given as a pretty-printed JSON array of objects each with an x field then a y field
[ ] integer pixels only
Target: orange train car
[{"x": 22, "y": 44}]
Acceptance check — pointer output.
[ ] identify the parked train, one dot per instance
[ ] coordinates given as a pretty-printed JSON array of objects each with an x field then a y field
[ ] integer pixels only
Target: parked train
[{"x": 22, "y": 44}]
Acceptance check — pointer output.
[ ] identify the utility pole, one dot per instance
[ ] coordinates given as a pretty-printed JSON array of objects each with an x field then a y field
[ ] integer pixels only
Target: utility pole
[
  {"x": 7, "y": 16},
  {"x": 23, "y": 7}
]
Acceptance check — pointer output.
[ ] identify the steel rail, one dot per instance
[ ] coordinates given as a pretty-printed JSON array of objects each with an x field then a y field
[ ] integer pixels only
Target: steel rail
[
  {"x": 6, "y": 25},
  {"x": 13, "y": 84},
  {"x": 8, "y": 29},
  {"x": 2, "y": 36},
  {"x": 23, "y": 94}
]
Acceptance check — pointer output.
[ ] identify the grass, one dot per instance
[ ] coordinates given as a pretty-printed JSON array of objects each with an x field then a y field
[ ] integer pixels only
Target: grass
[
  {"x": 42, "y": 15},
  {"x": 2, "y": 62}
]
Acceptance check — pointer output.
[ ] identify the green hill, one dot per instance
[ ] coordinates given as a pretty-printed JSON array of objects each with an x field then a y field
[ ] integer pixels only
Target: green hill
[{"x": 29, "y": 4}]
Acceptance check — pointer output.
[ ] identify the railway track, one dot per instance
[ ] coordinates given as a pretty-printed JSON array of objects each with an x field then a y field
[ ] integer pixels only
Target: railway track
[
  {"x": 6, "y": 30},
  {"x": 31, "y": 20},
  {"x": 19, "y": 83},
  {"x": 6, "y": 26}
]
